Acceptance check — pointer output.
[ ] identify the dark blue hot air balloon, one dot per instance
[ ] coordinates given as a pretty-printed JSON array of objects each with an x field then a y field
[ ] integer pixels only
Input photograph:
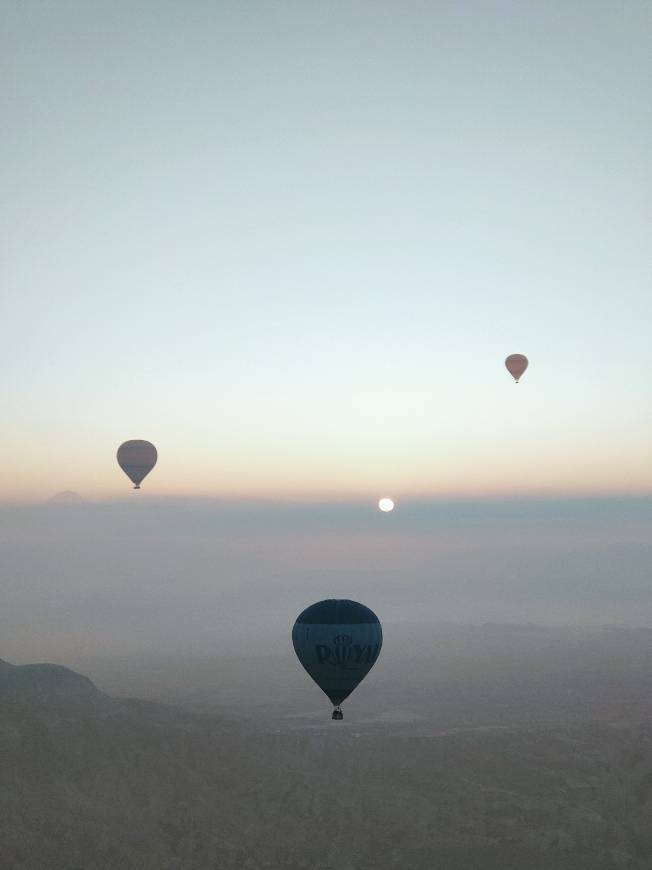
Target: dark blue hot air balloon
[{"x": 337, "y": 641}]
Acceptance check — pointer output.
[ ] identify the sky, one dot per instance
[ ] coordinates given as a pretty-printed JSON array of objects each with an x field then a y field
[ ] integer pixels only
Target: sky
[{"x": 292, "y": 243}]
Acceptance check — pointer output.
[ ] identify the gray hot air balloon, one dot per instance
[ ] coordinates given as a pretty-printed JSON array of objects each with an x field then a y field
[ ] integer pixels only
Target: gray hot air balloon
[
  {"x": 337, "y": 642},
  {"x": 136, "y": 459},
  {"x": 516, "y": 364}
]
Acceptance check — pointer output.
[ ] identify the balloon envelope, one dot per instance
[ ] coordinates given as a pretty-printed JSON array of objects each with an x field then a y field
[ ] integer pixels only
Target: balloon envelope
[
  {"x": 516, "y": 364},
  {"x": 137, "y": 458},
  {"x": 337, "y": 642}
]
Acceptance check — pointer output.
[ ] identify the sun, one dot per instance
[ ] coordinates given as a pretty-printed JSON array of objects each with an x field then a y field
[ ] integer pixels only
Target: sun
[{"x": 386, "y": 505}]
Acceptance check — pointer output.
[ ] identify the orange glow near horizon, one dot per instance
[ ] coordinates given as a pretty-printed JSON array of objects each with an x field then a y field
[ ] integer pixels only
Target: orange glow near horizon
[{"x": 502, "y": 474}]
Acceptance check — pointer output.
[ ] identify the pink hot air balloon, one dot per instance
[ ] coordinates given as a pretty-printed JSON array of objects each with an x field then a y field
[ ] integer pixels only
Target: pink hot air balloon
[{"x": 516, "y": 364}]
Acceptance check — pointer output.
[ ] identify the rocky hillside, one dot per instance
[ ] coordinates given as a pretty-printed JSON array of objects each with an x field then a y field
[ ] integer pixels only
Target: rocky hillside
[
  {"x": 138, "y": 786},
  {"x": 45, "y": 684},
  {"x": 532, "y": 762}
]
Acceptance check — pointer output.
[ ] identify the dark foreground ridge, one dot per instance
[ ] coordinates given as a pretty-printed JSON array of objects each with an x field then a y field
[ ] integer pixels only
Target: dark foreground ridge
[
  {"x": 548, "y": 768},
  {"x": 46, "y": 684}
]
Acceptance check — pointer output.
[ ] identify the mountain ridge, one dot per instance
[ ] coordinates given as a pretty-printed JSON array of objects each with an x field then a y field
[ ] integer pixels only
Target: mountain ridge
[{"x": 46, "y": 684}]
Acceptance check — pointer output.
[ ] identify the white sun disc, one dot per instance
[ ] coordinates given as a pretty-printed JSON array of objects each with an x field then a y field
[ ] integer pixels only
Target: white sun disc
[{"x": 386, "y": 505}]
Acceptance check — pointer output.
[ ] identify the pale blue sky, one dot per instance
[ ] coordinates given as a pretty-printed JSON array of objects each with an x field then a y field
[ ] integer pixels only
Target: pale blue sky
[{"x": 292, "y": 242}]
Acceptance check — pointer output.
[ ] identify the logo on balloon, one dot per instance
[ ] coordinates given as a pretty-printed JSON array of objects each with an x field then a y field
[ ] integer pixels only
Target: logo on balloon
[
  {"x": 342, "y": 649},
  {"x": 345, "y": 654}
]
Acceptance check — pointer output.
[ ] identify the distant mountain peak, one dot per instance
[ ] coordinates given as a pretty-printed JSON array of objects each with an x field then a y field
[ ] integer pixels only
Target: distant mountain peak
[{"x": 67, "y": 497}]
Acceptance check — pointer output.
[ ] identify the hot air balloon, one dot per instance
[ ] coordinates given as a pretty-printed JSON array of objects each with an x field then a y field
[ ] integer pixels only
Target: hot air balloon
[
  {"x": 136, "y": 459},
  {"x": 516, "y": 364},
  {"x": 337, "y": 642}
]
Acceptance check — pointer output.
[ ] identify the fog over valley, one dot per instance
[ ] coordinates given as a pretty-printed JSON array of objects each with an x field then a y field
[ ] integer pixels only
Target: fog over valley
[{"x": 151, "y": 576}]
